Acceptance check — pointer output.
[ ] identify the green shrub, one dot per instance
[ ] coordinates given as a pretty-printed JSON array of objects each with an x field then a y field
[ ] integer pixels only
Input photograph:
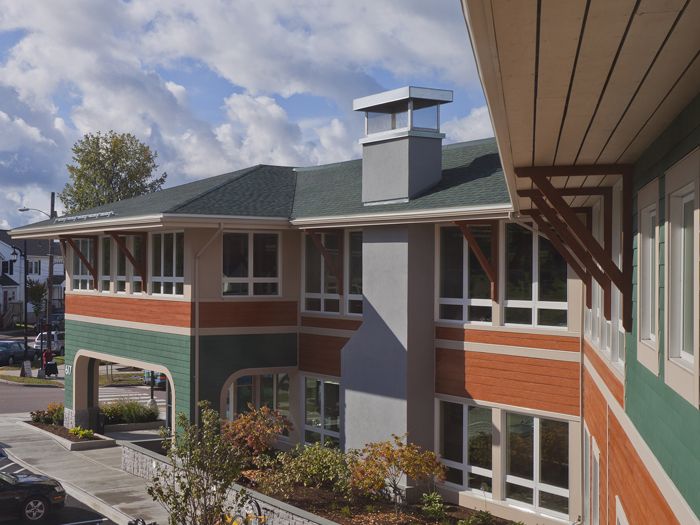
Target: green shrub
[
  {"x": 53, "y": 415},
  {"x": 433, "y": 507},
  {"x": 128, "y": 411},
  {"x": 480, "y": 517},
  {"x": 317, "y": 466},
  {"x": 255, "y": 431},
  {"x": 82, "y": 433}
]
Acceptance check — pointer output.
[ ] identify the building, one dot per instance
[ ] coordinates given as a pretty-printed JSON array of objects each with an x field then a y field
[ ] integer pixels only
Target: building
[
  {"x": 597, "y": 105},
  {"x": 12, "y": 277},
  {"x": 426, "y": 290}
]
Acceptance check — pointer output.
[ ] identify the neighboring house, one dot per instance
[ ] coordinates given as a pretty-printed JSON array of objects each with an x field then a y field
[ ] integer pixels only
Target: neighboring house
[
  {"x": 596, "y": 105},
  {"x": 37, "y": 270}
]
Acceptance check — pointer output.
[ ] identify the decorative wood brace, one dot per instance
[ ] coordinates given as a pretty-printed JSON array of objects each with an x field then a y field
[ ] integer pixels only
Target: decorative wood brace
[
  {"x": 489, "y": 267},
  {"x": 596, "y": 259},
  {"x": 336, "y": 269},
  {"x": 139, "y": 265},
  {"x": 85, "y": 259}
]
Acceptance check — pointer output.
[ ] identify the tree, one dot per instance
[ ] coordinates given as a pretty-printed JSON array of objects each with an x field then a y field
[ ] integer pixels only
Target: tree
[
  {"x": 194, "y": 488},
  {"x": 107, "y": 168},
  {"x": 36, "y": 294},
  {"x": 256, "y": 430}
]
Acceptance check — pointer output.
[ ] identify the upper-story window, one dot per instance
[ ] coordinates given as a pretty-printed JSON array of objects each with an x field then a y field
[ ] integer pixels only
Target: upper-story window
[
  {"x": 167, "y": 263},
  {"x": 34, "y": 267},
  {"x": 105, "y": 264},
  {"x": 8, "y": 267},
  {"x": 82, "y": 279},
  {"x": 465, "y": 290},
  {"x": 648, "y": 268},
  {"x": 251, "y": 264},
  {"x": 322, "y": 288},
  {"x": 535, "y": 280},
  {"x": 121, "y": 271},
  {"x": 354, "y": 305}
]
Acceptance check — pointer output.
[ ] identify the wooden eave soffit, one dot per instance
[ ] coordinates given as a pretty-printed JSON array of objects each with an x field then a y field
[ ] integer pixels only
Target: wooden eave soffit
[{"x": 575, "y": 239}]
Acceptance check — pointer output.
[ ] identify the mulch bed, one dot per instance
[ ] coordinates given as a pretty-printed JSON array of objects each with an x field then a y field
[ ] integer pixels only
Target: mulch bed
[
  {"x": 333, "y": 507},
  {"x": 60, "y": 431}
]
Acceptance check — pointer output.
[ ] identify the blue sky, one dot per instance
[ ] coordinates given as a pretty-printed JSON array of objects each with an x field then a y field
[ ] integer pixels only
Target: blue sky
[{"x": 215, "y": 85}]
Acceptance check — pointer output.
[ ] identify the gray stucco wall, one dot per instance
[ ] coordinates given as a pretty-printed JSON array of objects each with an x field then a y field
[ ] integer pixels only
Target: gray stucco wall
[
  {"x": 400, "y": 168},
  {"x": 387, "y": 366}
]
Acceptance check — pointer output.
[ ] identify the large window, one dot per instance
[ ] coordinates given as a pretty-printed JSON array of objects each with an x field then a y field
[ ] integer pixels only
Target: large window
[
  {"x": 537, "y": 463},
  {"x": 271, "y": 390},
  {"x": 82, "y": 279},
  {"x": 321, "y": 411},
  {"x": 250, "y": 264},
  {"x": 682, "y": 283},
  {"x": 105, "y": 264},
  {"x": 536, "y": 280},
  {"x": 465, "y": 290},
  {"x": 321, "y": 286},
  {"x": 34, "y": 267},
  {"x": 354, "y": 304},
  {"x": 466, "y": 435},
  {"x": 121, "y": 269},
  {"x": 648, "y": 272},
  {"x": 167, "y": 263}
]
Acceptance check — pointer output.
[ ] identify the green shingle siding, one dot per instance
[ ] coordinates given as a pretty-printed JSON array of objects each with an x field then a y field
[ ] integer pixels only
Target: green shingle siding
[
  {"x": 169, "y": 350},
  {"x": 667, "y": 422},
  {"x": 222, "y": 355}
]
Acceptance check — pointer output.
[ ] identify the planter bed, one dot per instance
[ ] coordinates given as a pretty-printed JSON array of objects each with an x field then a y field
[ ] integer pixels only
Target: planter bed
[
  {"x": 127, "y": 427},
  {"x": 68, "y": 440}
]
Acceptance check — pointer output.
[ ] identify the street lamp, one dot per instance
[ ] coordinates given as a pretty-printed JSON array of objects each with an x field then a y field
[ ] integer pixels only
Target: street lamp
[
  {"x": 49, "y": 295},
  {"x": 14, "y": 257}
]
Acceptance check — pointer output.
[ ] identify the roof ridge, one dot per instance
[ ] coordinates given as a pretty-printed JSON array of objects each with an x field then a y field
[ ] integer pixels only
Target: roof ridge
[{"x": 241, "y": 173}]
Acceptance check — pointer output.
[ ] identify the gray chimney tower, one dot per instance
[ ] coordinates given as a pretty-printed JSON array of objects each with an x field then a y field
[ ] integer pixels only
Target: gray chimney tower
[{"x": 402, "y": 147}]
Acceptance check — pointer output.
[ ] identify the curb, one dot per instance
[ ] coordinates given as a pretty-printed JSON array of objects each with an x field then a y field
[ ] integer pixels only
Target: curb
[
  {"x": 86, "y": 498},
  {"x": 5, "y": 381}
]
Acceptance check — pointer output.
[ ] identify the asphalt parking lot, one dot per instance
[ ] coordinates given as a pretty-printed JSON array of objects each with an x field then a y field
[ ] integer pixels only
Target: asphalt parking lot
[{"x": 74, "y": 513}]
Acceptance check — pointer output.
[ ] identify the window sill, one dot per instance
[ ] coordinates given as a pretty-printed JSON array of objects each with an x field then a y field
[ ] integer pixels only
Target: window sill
[{"x": 648, "y": 355}]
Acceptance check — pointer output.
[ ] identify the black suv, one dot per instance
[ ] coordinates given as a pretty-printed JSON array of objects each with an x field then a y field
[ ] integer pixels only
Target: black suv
[{"x": 30, "y": 496}]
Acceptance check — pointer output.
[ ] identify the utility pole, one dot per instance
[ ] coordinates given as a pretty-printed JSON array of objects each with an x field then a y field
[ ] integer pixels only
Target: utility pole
[{"x": 49, "y": 295}]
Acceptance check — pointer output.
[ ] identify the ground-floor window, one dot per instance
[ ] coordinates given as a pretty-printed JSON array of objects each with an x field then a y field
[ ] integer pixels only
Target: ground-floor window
[
  {"x": 321, "y": 410},
  {"x": 537, "y": 462},
  {"x": 271, "y": 390},
  {"x": 466, "y": 434}
]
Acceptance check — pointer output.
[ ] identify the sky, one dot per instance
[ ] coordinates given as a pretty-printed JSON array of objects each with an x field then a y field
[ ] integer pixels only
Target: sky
[{"x": 215, "y": 85}]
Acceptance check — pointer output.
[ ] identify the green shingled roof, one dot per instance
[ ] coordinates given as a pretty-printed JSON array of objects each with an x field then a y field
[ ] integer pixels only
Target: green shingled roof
[{"x": 472, "y": 176}]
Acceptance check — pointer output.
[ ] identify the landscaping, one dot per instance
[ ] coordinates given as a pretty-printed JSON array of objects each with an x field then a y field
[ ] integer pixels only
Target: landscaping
[
  {"x": 31, "y": 380},
  {"x": 51, "y": 420},
  {"x": 128, "y": 411}
]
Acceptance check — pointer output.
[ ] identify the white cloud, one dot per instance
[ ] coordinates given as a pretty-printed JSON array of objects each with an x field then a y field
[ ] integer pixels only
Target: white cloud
[
  {"x": 15, "y": 133},
  {"x": 476, "y": 125},
  {"x": 178, "y": 91}
]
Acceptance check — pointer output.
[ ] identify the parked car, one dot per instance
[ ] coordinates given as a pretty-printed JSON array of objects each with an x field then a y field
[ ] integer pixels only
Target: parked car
[
  {"x": 58, "y": 342},
  {"x": 30, "y": 496},
  {"x": 159, "y": 379},
  {"x": 12, "y": 352}
]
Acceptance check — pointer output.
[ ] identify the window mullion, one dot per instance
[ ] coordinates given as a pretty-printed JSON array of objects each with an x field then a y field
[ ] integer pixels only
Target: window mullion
[
  {"x": 536, "y": 466},
  {"x": 465, "y": 280},
  {"x": 251, "y": 244},
  {"x": 535, "y": 274}
]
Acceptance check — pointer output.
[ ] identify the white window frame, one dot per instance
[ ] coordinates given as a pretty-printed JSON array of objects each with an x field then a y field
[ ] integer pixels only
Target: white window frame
[
  {"x": 175, "y": 280},
  {"x": 250, "y": 280},
  {"x": 231, "y": 414},
  {"x": 595, "y": 483},
  {"x": 534, "y": 304},
  {"x": 465, "y": 467},
  {"x": 34, "y": 267},
  {"x": 133, "y": 276},
  {"x": 322, "y": 296},
  {"x": 648, "y": 266},
  {"x": 680, "y": 373},
  {"x": 78, "y": 277},
  {"x": 121, "y": 278},
  {"x": 346, "y": 276},
  {"x": 535, "y": 484},
  {"x": 319, "y": 430},
  {"x": 465, "y": 301},
  {"x": 620, "y": 516},
  {"x": 104, "y": 277}
]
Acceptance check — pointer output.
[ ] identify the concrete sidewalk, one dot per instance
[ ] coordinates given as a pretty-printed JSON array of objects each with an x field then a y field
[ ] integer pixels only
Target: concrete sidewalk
[{"x": 93, "y": 477}]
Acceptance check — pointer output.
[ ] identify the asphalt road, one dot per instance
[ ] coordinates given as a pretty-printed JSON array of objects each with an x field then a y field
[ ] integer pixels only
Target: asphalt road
[
  {"x": 18, "y": 398},
  {"x": 73, "y": 513}
]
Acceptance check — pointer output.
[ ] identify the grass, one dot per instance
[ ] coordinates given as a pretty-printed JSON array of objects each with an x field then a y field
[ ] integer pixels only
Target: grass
[
  {"x": 121, "y": 379},
  {"x": 31, "y": 380}
]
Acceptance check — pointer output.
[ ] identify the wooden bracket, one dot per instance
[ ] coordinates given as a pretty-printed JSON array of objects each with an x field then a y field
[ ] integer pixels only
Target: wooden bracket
[
  {"x": 336, "y": 269},
  {"x": 139, "y": 266},
  {"x": 88, "y": 264},
  {"x": 489, "y": 267}
]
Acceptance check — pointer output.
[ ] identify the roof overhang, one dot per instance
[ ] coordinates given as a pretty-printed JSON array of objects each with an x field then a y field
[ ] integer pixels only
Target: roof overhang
[
  {"x": 375, "y": 102},
  {"x": 582, "y": 83}
]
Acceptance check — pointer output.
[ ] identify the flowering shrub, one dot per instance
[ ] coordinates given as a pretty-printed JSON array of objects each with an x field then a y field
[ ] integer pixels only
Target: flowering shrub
[
  {"x": 381, "y": 466},
  {"x": 255, "y": 431},
  {"x": 53, "y": 415}
]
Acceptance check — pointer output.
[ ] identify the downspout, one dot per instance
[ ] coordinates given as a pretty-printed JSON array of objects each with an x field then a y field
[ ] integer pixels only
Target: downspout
[
  {"x": 196, "y": 318},
  {"x": 584, "y": 292}
]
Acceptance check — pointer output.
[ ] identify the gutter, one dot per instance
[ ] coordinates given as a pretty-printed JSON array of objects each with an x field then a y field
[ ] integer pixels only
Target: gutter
[
  {"x": 196, "y": 316},
  {"x": 87, "y": 227}
]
